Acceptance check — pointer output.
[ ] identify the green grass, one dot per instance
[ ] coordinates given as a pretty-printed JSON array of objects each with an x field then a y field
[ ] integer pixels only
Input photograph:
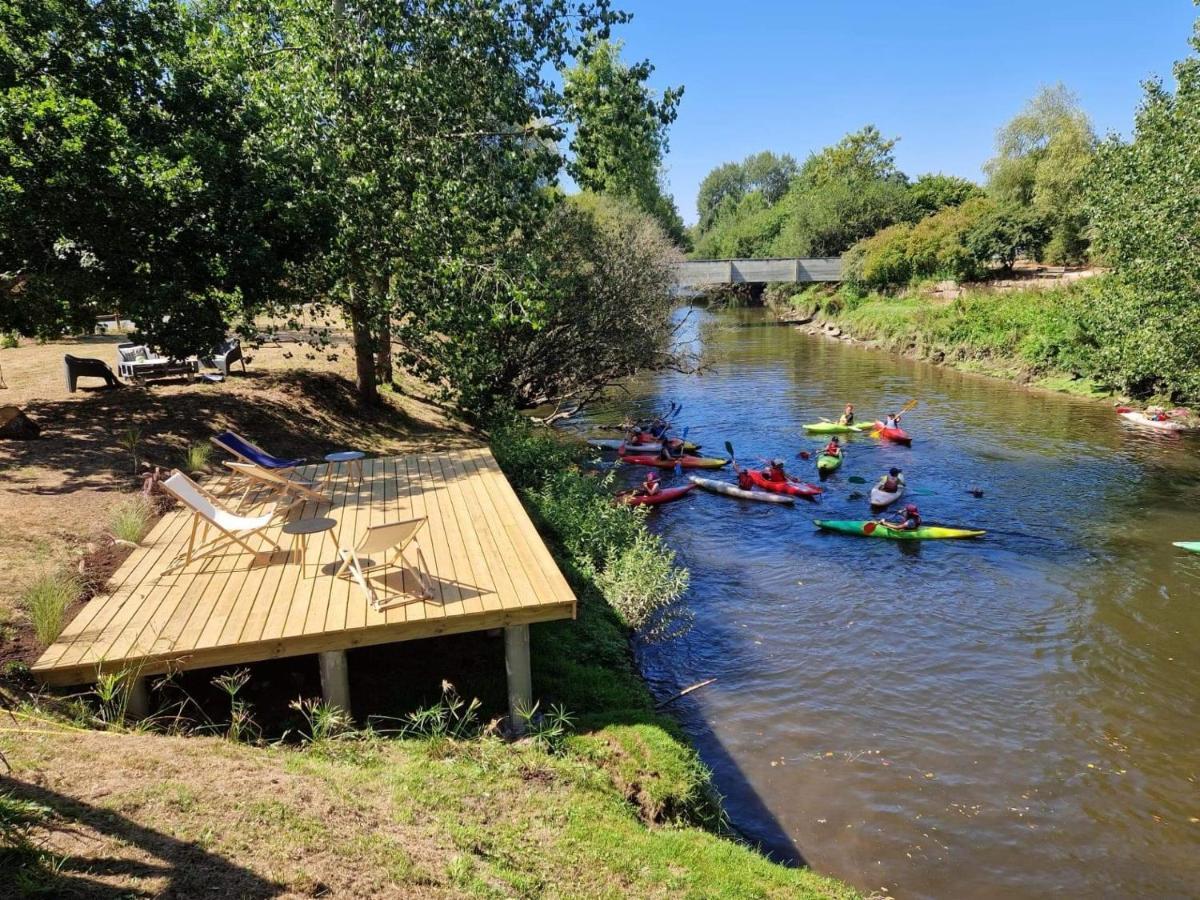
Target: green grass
[
  {"x": 45, "y": 600},
  {"x": 196, "y": 458},
  {"x": 130, "y": 519}
]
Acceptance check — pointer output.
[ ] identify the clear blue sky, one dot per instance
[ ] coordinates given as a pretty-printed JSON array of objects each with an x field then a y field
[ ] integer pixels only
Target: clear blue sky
[{"x": 795, "y": 75}]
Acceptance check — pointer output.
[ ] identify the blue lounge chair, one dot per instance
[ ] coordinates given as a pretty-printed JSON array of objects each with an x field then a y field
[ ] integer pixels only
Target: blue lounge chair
[{"x": 234, "y": 443}]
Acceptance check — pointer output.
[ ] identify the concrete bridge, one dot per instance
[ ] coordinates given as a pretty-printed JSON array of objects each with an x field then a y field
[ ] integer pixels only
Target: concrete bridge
[{"x": 699, "y": 272}]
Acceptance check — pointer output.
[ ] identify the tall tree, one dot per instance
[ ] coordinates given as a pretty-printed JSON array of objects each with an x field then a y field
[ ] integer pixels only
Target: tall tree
[
  {"x": 863, "y": 155},
  {"x": 620, "y": 134},
  {"x": 1042, "y": 158},
  {"x": 423, "y": 132},
  {"x": 125, "y": 179}
]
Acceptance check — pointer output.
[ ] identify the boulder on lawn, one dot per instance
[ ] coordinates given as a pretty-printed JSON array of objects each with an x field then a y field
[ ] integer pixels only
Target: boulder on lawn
[{"x": 15, "y": 425}]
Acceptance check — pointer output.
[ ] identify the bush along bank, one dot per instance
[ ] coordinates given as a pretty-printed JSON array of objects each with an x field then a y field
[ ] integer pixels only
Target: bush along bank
[
  {"x": 625, "y": 578},
  {"x": 1057, "y": 337}
]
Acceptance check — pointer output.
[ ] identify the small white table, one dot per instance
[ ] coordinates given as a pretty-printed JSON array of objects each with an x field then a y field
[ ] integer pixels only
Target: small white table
[{"x": 353, "y": 460}]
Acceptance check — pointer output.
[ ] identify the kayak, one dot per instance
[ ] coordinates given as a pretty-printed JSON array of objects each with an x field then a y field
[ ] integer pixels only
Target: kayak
[
  {"x": 1139, "y": 418},
  {"x": 899, "y": 435},
  {"x": 834, "y": 428},
  {"x": 827, "y": 463},
  {"x": 874, "y": 529},
  {"x": 732, "y": 490},
  {"x": 647, "y": 440},
  {"x": 881, "y": 498},
  {"x": 664, "y": 495},
  {"x": 650, "y": 447},
  {"x": 686, "y": 462},
  {"x": 794, "y": 488},
  {"x": 1194, "y": 546}
]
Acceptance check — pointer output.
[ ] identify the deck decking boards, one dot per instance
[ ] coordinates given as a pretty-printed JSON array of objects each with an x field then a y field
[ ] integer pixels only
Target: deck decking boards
[{"x": 488, "y": 565}]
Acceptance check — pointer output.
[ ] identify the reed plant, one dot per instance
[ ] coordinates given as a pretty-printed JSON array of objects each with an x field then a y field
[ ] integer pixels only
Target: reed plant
[
  {"x": 46, "y": 599},
  {"x": 130, "y": 519},
  {"x": 197, "y": 457}
]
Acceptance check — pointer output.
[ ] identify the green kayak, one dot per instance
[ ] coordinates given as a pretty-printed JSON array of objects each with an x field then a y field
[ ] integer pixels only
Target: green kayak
[
  {"x": 832, "y": 428},
  {"x": 874, "y": 529},
  {"x": 826, "y": 463},
  {"x": 1194, "y": 546}
]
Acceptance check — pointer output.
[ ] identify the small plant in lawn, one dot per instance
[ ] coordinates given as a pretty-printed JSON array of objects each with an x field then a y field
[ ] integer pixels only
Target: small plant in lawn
[
  {"x": 46, "y": 599},
  {"x": 130, "y": 519},
  {"x": 131, "y": 440},
  {"x": 549, "y": 731},
  {"x": 241, "y": 714},
  {"x": 196, "y": 457},
  {"x": 112, "y": 692},
  {"x": 9, "y": 340},
  {"x": 325, "y": 721},
  {"x": 450, "y": 719}
]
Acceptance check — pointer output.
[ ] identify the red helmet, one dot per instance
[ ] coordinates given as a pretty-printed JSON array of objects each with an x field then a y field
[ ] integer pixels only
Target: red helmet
[
  {"x": 653, "y": 476},
  {"x": 912, "y": 510}
]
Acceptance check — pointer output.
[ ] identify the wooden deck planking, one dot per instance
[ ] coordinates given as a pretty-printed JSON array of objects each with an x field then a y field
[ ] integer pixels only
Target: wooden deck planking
[{"x": 487, "y": 563}]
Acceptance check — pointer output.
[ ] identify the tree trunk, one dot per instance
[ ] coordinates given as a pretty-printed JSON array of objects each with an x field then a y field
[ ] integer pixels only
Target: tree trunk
[
  {"x": 364, "y": 355},
  {"x": 383, "y": 352}
]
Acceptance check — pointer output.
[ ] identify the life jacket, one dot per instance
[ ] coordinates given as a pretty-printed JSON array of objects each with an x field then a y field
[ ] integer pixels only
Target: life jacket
[
  {"x": 890, "y": 485},
  {"x": 774, "y": 473},
  {"x": 745, "y": 482},
  {"x": 847, "y": 419},
  {"x": 833, "y": 450},
  {"x": 911, "y": 517}
]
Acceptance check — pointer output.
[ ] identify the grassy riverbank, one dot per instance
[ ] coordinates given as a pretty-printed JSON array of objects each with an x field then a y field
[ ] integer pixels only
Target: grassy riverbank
[{"x": 1039, "y": 336}]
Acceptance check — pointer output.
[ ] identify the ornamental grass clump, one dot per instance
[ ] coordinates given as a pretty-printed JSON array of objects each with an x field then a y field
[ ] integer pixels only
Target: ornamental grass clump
[{"x": 46, "y": 599}]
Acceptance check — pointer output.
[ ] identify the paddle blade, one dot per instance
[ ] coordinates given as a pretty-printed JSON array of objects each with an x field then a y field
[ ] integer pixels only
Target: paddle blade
[
  {"x": 856, "y": 479},
  {"x": 678, "y": 468},
  {"x": 729, "y": 449},
  {"x": 909, "y": 406},
  {"x": 869, "y": 527},
  {"x": 804, "y": 454}
]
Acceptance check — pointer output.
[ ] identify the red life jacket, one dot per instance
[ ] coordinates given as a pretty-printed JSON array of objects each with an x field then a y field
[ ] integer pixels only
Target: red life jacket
[
  {"x": 745, "y": 482},
  {"x": 890, "y": 485}
]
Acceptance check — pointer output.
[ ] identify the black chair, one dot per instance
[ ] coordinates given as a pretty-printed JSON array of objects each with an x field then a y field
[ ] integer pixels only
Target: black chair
[
  {"x": 229, "y": 352},
  {"x": 76, "y": 367}
]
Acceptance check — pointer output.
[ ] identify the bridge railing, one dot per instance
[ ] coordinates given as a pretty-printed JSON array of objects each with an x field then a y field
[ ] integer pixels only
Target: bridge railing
[{"x": 696, "y": 272}]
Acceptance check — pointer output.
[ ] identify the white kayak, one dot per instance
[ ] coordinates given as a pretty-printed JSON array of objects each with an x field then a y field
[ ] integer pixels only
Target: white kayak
[
  {"x": 881, "y": 498},
  {"x": 617, "y": 444},
  {"x": 1139, "y": 418},
  {"x": 732, "y": 490}
]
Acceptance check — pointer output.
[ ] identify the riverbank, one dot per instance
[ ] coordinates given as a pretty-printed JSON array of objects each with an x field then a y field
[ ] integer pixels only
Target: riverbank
[
  {"x": 1035, "y": 337},
  {"x": 606, "y": 795}
]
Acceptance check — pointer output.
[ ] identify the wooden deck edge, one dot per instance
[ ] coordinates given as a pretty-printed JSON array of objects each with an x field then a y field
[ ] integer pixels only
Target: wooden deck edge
[{"x": 236, "y": 654}]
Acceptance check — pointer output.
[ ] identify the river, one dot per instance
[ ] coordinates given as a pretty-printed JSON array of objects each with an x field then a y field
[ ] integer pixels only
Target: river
[{"x": 1013, "y": 716}]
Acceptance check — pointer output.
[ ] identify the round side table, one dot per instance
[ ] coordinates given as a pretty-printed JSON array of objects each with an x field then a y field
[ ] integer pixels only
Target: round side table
[
  {"x": 353, "y": 460},
  {"x": 301, "y": 529}
]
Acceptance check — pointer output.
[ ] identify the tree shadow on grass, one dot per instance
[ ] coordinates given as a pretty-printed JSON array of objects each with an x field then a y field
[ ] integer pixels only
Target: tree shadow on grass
[{"x": 187, "y": 869}]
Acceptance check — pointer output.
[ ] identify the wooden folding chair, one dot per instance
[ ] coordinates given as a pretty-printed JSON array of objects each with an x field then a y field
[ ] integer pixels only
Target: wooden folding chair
[
  {"x": 207, "y": 513},
  {"x": 379, "y": 539},
  {"x": 287, "y": 492}
]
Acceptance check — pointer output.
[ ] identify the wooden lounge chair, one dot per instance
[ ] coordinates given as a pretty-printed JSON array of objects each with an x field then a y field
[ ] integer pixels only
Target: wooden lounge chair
[
  {"x": 232, "y": 442},
  {"x": 207, "y": 513},
  {"x": 380, "y": 539},
  {"x": 287, "y": 492}
]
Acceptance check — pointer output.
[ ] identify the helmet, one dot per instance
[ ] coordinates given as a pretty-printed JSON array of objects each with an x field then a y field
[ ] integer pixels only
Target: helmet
[
  {"x": 849, "y": 406},
  {"x": 777, "y": 461},
  {"x": 894, "y": 472},
  {"x": 911, "y": 509},
  {"x": 652, "y": 476}
]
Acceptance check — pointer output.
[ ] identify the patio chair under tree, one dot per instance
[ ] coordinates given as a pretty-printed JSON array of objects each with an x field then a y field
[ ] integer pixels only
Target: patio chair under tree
[
  {"x": 380, "y": 540},
  {"x": 286, "y": 491},
  {"x": 207, "y": 513},
  {"x": 232, "y": 442}
]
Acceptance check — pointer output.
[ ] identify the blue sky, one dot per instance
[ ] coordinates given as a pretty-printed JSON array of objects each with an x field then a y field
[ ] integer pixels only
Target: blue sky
[{"x": 943, "y": 76}]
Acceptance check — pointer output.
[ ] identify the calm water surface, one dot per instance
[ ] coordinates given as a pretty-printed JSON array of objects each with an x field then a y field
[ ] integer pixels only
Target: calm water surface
[{"x": 1015, "y": 716}]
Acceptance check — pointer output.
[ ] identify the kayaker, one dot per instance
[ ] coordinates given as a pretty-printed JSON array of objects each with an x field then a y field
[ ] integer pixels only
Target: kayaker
[
  {"x": 745, "y": 482},
  {"x": 910, "y": 519},
  {"x": 848, "y": 416},
  {"x": 650, "y": 485},
  {"x": 833, "y": 448},
  {"x": 891, "y": 482},
  {"x": 668, "y": 453},
  {"x": 776, "y": 472},
  {"x": 892, "y": 421}
]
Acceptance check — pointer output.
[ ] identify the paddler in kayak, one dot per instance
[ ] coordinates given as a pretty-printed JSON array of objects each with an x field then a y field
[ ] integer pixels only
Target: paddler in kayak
[
  {"x": 776, "y": 472},
  {"x": 650, "y": 485},
  {"x": 891, "y": 482},
  {"x": 909, "y": 520},
  {"x": 745, "y": 482},
  {"x": 847, "y": 418},
  {"x": 833, "y": 448},
  {"x": 669, "y": 453},
  {"x": 892, "y": 421}
]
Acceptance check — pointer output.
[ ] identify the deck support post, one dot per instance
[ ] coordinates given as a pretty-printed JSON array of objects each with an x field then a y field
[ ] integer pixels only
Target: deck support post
[
  {"x": 520, "y": 682},
  {"x": 335, "y": 679},
  {"x": 137, "y": 701}
]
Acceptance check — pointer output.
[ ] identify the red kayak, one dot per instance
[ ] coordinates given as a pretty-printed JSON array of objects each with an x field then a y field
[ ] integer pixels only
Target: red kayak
[
  {"x": 899, "y": 435},
  {"x": 795, "y": 488},
  {"x": 686, "y": 462},
  {"x": 663, "y": 495}
]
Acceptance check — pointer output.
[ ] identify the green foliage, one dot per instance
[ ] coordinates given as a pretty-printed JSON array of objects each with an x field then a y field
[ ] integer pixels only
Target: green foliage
[
  {"x": 620, "y": 134},
  {"x": 130, "y": 519},
  {"x": 881, "y": 259},
  {"x": 1043, "y": 156},
  {"x": 197, "y": 457},
  {"x": 45, "y": 600},
  {"x": 933, "y": 192},
  {"x": 595, "y": 308},
  {"x": 1006, "y": 231},
  {"x": 724, "y": 187},
  {"x": 9, "y": 340},
  {"x": 861, "y": 156}
]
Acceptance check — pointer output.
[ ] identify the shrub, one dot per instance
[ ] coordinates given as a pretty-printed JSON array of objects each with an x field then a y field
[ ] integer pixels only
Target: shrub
[
  {"x": 642, "y": 578},
  {"x": 130, "y": 519},
  {"x": 885, "y": 257},
  {"x": 46, "y": 599},
  {"x": 9, "y": 340},
  {"x": 196, "y": 457}
]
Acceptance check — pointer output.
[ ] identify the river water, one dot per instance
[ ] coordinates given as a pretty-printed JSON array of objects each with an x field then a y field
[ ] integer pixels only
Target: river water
[{"x": 1017, "y": 716}]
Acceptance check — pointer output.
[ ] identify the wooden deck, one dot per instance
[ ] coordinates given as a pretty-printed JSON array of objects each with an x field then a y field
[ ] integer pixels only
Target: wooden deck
[{"x": 488, "y": 565}]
